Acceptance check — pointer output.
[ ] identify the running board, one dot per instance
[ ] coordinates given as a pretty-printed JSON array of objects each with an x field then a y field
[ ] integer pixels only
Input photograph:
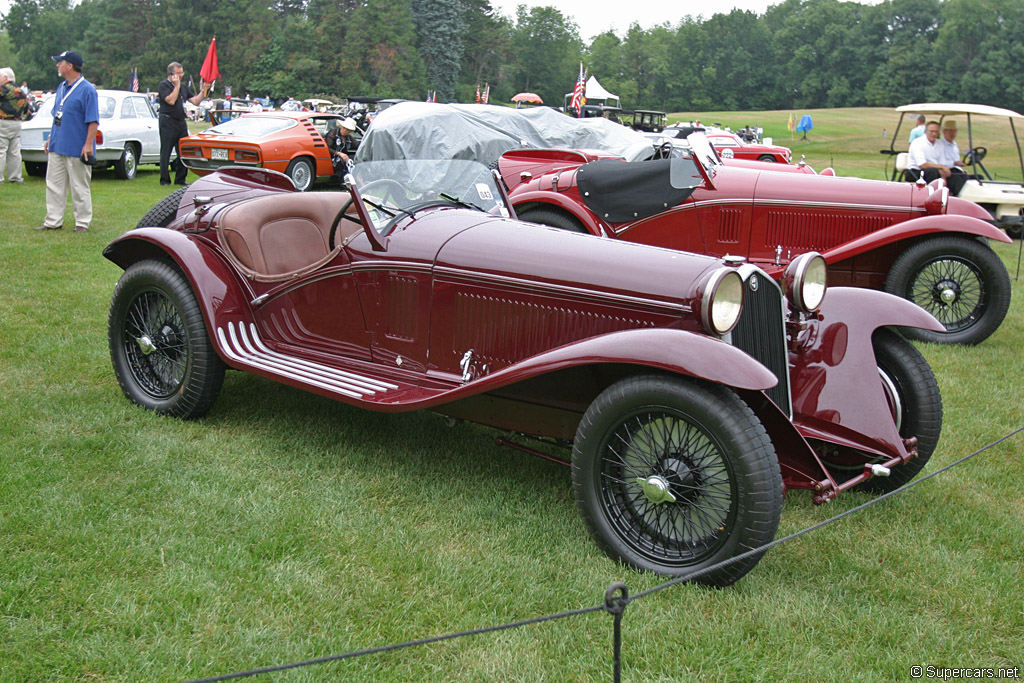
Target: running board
[{"x": 246, "y": 348}]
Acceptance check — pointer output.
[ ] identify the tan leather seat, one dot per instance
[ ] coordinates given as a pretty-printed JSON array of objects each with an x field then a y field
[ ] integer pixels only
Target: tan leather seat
[{"x": 282, "y": 236}]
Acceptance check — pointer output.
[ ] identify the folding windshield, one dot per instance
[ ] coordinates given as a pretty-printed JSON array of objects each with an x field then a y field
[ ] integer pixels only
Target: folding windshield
[
  {"x": 251, "y": 126},
  {"x": 402, "y": 187}
]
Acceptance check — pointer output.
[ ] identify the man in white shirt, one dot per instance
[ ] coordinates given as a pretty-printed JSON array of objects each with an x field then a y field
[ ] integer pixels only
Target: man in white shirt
[{"x": 928, "y": 160}]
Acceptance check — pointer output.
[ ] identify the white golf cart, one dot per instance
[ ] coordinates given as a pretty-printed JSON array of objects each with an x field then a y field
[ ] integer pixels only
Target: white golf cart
[{"x": 1001, "y": 196}]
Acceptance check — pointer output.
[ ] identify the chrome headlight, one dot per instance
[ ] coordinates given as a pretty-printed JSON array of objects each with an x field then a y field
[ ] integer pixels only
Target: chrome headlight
[
  {"x": 721, "y": 301},
  {"x": 805, "y": 281}
]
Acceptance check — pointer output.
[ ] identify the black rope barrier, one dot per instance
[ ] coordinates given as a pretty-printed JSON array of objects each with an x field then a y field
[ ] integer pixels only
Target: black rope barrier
[{"x": 616, "y": 597}]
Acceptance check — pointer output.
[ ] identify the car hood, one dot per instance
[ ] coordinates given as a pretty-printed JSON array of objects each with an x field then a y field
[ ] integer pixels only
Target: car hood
[
  {"x": 531, "y": 254},
  {"x": 834, "y": 191}
]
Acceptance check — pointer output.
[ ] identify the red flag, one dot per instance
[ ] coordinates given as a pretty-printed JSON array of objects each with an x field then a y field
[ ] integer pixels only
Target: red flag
[
  {"x": 478, "y": 93},
  {"x": 209, "y": 72}
]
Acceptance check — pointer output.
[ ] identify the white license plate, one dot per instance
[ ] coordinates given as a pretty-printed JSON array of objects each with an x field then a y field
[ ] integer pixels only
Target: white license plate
[{"x": 219, "y": 154}]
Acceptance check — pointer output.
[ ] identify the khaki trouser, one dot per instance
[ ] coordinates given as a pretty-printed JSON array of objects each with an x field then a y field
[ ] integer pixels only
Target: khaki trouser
[
  {"x": 61, "y": 173},
  {"x": 10, "y": 150}
]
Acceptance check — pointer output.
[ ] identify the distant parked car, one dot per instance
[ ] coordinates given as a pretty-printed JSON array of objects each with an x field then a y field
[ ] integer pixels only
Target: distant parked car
[
  {"x": 731, "y": 146},
  {"x": 291, "y": 142},
  {"x": 128, "y": 134}
]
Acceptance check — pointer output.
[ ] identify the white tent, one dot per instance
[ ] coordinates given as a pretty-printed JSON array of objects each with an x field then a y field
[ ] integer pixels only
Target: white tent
[{"x": 596, "y": 92}]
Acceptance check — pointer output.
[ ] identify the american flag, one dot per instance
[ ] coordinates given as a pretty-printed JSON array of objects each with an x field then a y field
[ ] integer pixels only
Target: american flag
[
  {"x": 486, "y": 94},
  {"x": 133, "y": 80},
  {"x": 579, "y": 97}
]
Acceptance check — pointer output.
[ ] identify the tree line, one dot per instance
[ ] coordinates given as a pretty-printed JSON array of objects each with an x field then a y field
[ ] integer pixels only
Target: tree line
[{"x": 799, "y": 54}]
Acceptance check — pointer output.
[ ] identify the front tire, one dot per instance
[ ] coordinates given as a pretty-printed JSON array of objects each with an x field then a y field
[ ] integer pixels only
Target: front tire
[
  {"x": 960, "y": 281},
  {"x": 302, "y": 172},
  {"x": 672, "y": 476},
  {"x": 36, "y": 169},
  {"x": 127, "y": 166},
  {"x": 916, "y": 406},
  {"x": 162, "y": 356},
  {"x": 766, "y": 157}
]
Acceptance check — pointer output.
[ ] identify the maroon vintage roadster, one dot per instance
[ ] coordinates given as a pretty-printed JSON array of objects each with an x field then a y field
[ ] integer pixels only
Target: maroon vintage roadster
[
  {"x": 912, "y": 240},
  {"x": 686, "y": 391}
]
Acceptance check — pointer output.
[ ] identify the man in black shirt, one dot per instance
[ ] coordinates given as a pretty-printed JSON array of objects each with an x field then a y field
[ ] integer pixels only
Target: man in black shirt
[{"x": 172, "y": 95}]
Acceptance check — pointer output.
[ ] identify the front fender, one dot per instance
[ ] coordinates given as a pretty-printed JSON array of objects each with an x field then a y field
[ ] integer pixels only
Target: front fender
[
  {"x": 676, "y": 351},
  {"x": 221, "y": 295},
  {"x": 837, "y": 393},
  {"x": 914, "y": 228}
]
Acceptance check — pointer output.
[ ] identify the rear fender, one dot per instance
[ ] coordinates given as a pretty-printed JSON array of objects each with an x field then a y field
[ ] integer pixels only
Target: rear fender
[
  {"x": 837, "y": 393},
  {"x": 913, "y": 229},
  {"x": 221, "y": 295},
  {"x": 524, "y": 201}
]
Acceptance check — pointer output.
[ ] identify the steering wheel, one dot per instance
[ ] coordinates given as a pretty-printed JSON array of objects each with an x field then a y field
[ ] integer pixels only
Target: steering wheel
[
  {"x": 973, "y": 156},
  {"x": 337, "y": 221},
  {"x": 663, "y": 151},
  {"x": 392, "y": 189}
]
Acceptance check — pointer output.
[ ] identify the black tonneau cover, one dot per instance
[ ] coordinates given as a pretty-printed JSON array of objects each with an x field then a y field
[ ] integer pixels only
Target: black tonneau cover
[{"x": 620, "y": 192}]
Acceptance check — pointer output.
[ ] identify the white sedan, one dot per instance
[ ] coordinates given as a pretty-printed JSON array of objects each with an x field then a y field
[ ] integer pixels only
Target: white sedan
[{"x": 129, "y": 134}]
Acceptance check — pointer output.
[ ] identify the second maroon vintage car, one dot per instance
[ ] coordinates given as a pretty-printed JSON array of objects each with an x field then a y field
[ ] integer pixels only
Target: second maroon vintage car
[
  {"x": 685, "y": 391},
  {"x": 912, "y": 240}
]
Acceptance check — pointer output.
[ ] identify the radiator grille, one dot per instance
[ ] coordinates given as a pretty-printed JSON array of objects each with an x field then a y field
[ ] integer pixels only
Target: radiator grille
[{"x": 761, "y": 332}]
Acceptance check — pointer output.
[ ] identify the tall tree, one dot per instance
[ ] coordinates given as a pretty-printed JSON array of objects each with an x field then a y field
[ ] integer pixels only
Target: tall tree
[
  {"x": 487, "y": 51},
  {"x": 549, "y": 48},
  {"x": 379, "y": 55},
  {"x": 441, "y": 28}
]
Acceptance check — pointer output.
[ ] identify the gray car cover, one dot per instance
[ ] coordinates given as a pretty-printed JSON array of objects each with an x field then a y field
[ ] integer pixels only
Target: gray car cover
[{"x": 424, "y": 130}]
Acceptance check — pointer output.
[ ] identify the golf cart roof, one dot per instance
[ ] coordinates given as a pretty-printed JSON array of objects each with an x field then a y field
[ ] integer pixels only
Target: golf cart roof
[{"x": 948, "y": 108}]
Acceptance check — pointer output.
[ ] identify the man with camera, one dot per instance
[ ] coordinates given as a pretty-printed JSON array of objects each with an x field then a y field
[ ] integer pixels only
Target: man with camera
[{"x": 70, "y": 148}]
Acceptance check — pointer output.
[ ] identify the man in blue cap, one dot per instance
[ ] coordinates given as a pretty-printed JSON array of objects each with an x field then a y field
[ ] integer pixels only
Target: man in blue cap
[{"x": 70, "y": 146}]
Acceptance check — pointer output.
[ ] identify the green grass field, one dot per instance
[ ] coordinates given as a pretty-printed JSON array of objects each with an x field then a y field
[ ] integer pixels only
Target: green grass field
[{"x": 284, "y": 526}]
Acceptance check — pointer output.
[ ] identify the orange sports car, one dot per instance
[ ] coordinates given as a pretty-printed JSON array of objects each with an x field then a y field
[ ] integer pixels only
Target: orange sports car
[{"x": 291, "y": 142}]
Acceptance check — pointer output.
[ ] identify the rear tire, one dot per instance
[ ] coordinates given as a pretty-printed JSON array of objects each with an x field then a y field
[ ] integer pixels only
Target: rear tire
[
  {"x": 159, "y": 348},
  {"x": 161, "y": 215},
  {"x": 36, "y": 169},
  {"x": 672, "y": 476},
  {"x": 302, "y": 171},
  {"x": 127, "y": 166}
]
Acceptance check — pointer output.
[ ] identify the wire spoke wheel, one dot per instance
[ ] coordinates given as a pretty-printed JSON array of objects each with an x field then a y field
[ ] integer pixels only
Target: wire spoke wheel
[
  {"x": 159, "y": 347},
  {"x": 951, "y": 289},
  {"x": 667, "y": 487},
  {"x": 674, "y": 476},
  {"x": 155, "y": 344},
  {"x": 959, "y": 280}
]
